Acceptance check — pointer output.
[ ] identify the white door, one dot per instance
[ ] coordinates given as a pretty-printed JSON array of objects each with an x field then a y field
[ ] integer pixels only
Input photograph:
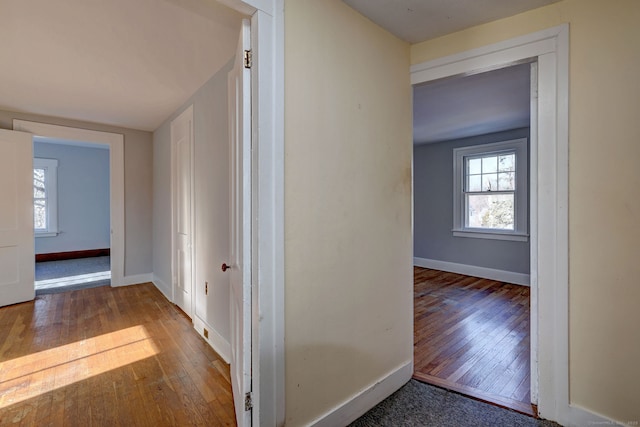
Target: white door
[
  {"x": 182, "y": 160},
  {"x": 17, "y": 255},
  {"x": 240, "y": 214}
]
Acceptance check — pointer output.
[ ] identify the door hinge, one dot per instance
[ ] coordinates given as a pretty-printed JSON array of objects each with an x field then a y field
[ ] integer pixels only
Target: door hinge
[
  {"x": 247, "y": 59},
  {"x": 248, "y": 401}
]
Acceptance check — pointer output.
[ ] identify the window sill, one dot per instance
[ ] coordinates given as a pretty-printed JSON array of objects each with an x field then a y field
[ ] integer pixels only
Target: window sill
[
  {"x": 483, "y": 234},
  {"x": 46, "y": 234}
]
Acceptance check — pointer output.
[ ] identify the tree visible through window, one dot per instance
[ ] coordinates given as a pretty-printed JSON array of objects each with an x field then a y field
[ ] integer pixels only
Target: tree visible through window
[
  {"x": 490, "y": 190},
  {"x": 45, "y": 196}
]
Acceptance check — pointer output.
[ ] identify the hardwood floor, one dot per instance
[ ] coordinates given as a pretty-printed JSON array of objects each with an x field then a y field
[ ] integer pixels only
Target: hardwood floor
[
  {"x": 471, "y": 335},
  {"x": 108, "y": 357}
]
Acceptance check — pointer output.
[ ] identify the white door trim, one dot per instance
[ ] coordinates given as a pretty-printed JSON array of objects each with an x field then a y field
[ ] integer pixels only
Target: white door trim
[
  {"x": 549, "y": 279},
  {"x": 267, "y": 44},
  {"x": 549, "y": 202},
  {"x": 115, "y": 142},
  {"x": 533, "y": 231}
]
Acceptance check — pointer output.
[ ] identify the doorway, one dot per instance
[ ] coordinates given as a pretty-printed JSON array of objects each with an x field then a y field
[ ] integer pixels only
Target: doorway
[
  {"x": 548, "y": 210},
  {"x": 115, "y": 144},
  {"x": 471, "y": 234},
  {"x": 71, "y": 221}
]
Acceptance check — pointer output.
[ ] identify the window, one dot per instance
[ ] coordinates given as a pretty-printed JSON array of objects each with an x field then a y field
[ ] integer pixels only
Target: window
[
  {"x": 490, "y": 191},
  {"x": 45, "y": 197}
]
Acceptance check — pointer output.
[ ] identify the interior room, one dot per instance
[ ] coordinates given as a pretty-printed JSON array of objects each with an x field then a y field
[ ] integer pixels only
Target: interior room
[
  {"x": 71, "y": 215},
  {"x": 472, "y": 301}
]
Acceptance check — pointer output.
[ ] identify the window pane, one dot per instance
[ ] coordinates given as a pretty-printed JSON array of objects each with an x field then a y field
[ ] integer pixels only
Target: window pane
[
  {"x": 489, "y": 164},
  {"x": 490, "y": 182},
  {"x": 474, "y": 183},
  {"x": 506, "y": 162},
  {"x": 474, "y": 166},
  {"x": 507, "y": 181},
  {"x": 38, "y": 183},
  {"x": 40, "y": 214},
  {"x": 492, "y": 211}
]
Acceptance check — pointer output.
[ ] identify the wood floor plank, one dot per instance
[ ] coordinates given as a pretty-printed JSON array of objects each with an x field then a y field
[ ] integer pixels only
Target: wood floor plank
[
  {"x": 472, "y": 336},
  {"x": 108, "y": 356}
]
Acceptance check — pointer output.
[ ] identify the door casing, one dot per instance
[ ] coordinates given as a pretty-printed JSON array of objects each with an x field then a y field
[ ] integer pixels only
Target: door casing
[
  {"x": 115, "y": 142},
  {"x": 548, "y": 200},
  {"x": 267, "y": 290}
]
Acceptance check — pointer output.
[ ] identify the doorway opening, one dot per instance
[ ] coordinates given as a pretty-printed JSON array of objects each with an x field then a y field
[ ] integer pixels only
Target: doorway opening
[
  {"x": 548, "y": 175},
  {"x": 111, "y": 146},
  {"x": 71, "y": 215},
  {"x": 471, "y": 234}
]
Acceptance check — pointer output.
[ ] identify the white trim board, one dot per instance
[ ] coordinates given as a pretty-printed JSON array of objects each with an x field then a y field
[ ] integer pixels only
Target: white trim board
[
  {"x": 268, "y": 371},
  {"x": 473, "y": 270},
  {"x": 364, "y": 400},
  {"x": 162, "y": 287},
  {"x": 136, "y": 279},
  {"x": 115, "y": 141},
  {"x": 215, "y": 340}
]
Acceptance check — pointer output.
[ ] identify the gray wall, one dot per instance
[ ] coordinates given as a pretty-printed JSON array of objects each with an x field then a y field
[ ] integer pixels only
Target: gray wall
[
  {"x": 138, "y": 155},
  {"x": 433, "y": 211},
  {"x": 83, "y": 198},
  {"x": 211, "y": 193}
]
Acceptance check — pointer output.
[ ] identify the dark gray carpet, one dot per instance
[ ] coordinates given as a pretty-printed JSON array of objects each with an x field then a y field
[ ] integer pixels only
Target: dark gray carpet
[
  {"x": 418, "y": 404},
  {"x": 67, "y": 275}
]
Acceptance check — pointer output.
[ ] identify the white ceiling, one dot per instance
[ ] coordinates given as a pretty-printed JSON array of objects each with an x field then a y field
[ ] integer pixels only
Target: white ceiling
[
  {"x": 133, "y": 63},
  {"x": 473, "y": 105},
  {"x": 128, "y": 63},
  {"x": 463, "y": 106},
  {"x": 419, "y": 20}
]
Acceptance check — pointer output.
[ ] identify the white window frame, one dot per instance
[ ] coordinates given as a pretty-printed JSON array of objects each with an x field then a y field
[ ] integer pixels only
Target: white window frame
[
  {"x": 520, "y": 231},
  {"x": 50, "y": 167}
]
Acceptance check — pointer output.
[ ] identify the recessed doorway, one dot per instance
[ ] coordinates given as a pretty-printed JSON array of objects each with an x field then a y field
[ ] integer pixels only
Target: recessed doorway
[
  {"x": 549, "y": 197},
  {"x": 471, "y": 234},
  {"x": 115, "y": 145},
  {"x": 71, "y": 215}
]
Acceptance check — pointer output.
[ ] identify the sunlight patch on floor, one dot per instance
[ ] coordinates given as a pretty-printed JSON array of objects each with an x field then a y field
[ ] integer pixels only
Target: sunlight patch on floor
[
  {"x": 73, "y": 280},
  {"x": 35, "y": 374}
]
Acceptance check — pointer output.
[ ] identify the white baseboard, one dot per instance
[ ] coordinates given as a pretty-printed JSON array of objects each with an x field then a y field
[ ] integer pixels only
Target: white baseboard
[
  {"x": 135, "y": 280},
  {"x": 162, "y": 287},
  {"x": 215, "y": 340},
  {"x": 576, "y": 416},
  {"x": 366, "y": 399},
  {"x": 472, "y": 270}
]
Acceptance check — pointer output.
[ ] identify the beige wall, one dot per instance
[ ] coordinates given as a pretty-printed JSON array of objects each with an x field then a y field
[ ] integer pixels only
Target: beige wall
[
  {"x": 604, "y": 179},
  {"x": 137, "y": 182},
  {"x": 348, "y": 244}
]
